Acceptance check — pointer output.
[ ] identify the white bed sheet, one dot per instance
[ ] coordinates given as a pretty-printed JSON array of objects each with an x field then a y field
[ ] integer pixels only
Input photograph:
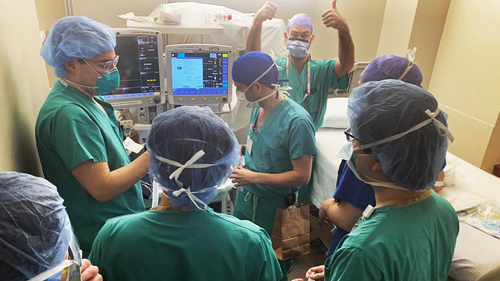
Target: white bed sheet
[
  {"x": 477, "y": 254},
  {"x": 328, "y": 143}
]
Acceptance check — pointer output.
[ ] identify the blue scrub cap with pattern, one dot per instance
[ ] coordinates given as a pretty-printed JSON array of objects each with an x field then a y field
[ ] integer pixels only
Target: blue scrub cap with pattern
[
  {"x": 300, "y": 19},
  {"x": 251, "y": 65},
  {"x": 35, "y": 230},
  {"x": 73, "y": 38},
  {"x": 379, "y": 110},
  {"x": 177, "y": 135},
  {"x": 392, "y": 67}
]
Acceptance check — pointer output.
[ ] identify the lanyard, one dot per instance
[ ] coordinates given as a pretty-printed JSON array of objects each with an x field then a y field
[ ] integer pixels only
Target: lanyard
[{"x": 308, "y": 72}]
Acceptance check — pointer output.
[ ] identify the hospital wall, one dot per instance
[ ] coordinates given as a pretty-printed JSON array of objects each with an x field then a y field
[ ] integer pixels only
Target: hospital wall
[
  {"x": 23, "y": 86},
  {"x": 466, "y": 79},
  {"x": 365, "y": 29},
  {"x": 48, "y": 12}
]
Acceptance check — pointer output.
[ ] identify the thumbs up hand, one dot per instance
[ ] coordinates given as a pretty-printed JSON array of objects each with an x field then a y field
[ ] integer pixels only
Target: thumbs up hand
[
  {"x": 267, "y": 12},
  {"x": 332, "y": 18}
]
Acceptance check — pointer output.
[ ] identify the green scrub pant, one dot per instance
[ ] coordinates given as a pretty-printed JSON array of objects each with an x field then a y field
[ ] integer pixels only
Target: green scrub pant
[{"x": 261, "y": 211}]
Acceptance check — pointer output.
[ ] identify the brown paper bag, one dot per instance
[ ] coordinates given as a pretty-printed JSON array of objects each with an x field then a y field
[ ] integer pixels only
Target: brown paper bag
[{"x": 290, "y": 235}]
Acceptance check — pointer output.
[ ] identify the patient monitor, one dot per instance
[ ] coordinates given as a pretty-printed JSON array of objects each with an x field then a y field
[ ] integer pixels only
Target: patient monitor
[
  {"x": 199, "y": 74},
  {"x": 141, "y": 69}
]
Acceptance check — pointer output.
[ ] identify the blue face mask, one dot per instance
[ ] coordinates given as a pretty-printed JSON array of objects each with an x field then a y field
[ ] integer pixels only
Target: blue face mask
[
  {"x": 107, "y": 82},
  {"x": 297, "y": 49}
]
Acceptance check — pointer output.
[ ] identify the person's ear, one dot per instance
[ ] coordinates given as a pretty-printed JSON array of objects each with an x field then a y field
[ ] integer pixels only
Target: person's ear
[
  {"x": 311, "y": 39},
  {"x": 377, "y": 166},
  {"x": 258, "y": 87},
  {"x": 286, "y": 36},
  {"x": 71, "y": 66}
]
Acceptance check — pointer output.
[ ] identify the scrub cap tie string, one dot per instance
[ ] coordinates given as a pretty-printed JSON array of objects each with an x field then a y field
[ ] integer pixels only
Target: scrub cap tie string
[
  {"x": 188, "y": 164},
  {"x": 411, "y": 57},
  {"x": 190, "y": 194},
  {"x": 440, "y": 127}
]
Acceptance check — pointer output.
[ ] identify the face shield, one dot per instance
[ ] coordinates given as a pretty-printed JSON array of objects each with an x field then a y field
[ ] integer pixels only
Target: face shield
[{"x": 68, "y": 269}]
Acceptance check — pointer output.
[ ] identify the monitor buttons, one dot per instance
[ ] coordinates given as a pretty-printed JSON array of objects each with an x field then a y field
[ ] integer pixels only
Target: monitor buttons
[{"x": 223, "y": 99}]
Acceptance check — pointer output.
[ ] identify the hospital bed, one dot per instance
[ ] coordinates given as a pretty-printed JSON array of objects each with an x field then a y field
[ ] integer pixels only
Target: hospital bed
[{"x": 477, "y": 254}]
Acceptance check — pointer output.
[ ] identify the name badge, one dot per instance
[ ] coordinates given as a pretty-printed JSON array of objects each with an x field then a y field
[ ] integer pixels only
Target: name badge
[
  {"x": 249, "y": 145},
  {"x": 131, "y": 146}
]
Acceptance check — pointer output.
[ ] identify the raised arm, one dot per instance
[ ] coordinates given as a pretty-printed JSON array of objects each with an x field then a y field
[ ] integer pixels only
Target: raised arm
[
  {"x": 332, "y": 18},
  {"x": 267, "y": 12}
]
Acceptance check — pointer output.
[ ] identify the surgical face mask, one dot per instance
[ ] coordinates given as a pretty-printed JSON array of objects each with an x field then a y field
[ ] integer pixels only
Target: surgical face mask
[
  {"x": 106, "y": 83},
  {"x": 254, "y": 104},
  {"x": 366, "y": 179},
  {"x": 345, "y": 152},
  {"x": 297, "y": 48}
]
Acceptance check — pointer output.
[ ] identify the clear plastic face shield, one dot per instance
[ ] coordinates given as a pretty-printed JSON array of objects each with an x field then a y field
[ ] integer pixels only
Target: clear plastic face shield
[
  {"x": 440, "y": 127},
  {"x": 67, "y": 270}
]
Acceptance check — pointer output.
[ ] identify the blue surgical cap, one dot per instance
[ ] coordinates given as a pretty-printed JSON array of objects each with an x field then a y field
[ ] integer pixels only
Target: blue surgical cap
[
  {"x": 392, "y": 67},
  {"x": 73, "y": 38},
  {"x": 35, "y": 229},
  {"x": 251, "y": 65},
  {"x": 180, "y": 133},
  {"x": 300, "y": 20},
  {"x": 378, "y": 110}
]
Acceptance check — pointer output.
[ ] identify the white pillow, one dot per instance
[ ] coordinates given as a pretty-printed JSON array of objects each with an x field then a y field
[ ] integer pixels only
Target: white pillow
[{"x": 336, "y": 114}]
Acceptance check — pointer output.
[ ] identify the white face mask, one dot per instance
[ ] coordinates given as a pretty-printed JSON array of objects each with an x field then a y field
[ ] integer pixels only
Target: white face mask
[
  {"x": 254, "y": 104},
  {"x": 346, "y": 151},
  {"x": 368, "y": 180},
  {"x": 298, "y": 49}
]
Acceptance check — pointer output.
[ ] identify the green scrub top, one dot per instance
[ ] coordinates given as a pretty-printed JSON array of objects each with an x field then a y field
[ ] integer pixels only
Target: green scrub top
[
  {"x": 286, "y": 134},
  {"x": 71, "y": 129},
  {"x": 184, "y": 245},
  {"x": 323, "y": 78},
  {"x": 414, "y": 242}
]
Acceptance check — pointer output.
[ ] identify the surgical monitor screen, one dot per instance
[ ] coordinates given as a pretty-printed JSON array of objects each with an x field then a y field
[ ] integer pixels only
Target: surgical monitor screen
[
  {"x": 199, "y": 75},
  {"x": 139, "y": 68}
]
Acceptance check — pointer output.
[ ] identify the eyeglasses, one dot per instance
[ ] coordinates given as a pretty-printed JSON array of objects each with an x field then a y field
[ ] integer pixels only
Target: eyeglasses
[
  {"x": 109, "y": 65},
  {"x": 299, "y": 39},
  {"x": 348, "y": 135},
  {"x": 350, "y": 138}
]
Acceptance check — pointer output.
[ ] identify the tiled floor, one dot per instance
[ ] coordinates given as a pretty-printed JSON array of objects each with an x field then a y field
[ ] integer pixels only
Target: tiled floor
[{"x": 303, "y": 263}]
